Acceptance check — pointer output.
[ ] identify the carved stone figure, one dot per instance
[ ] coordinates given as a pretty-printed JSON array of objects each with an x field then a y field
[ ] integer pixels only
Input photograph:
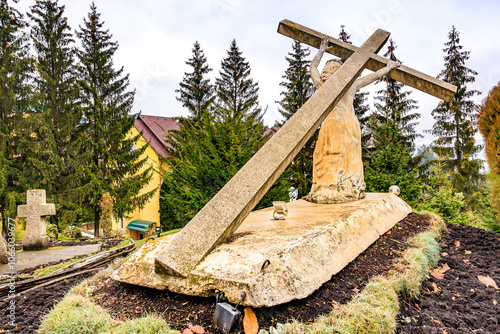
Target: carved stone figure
[{"x": 337, "y": 166}]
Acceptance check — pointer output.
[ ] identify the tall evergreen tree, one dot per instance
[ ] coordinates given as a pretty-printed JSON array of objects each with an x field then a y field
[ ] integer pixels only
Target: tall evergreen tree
[
  {"x": 207, "y": 154},
  {"x": 456, "y": 124},
  {"x": 57, "y": 114},
  {"x": 108, "y": 158},
  {"x": 195, "y": 92},
  {"x": 392, "y": 127},
  {"x": 297, "y": 84},
  {"x": 237, "y": 93},
  {"x": 15, "y": 71},
  {"x": 298, "y": 88},
  {"x": 395, "y": 105}
]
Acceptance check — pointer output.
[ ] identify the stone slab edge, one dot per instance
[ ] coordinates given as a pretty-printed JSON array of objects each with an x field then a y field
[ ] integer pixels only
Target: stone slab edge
[{"x": 304, "y": 262}]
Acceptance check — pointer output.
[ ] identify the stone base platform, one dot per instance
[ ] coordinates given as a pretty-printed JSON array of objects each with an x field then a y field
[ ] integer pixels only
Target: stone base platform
[{"x": 276, "y": 261}]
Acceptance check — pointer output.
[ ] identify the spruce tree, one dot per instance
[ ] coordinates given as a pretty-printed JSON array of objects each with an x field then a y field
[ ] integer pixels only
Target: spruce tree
[
  {"x": 392, "y": 127},
  {"x": 207, "y": 154},
  {"x": 298, "y": 88},
  {"x": 108, "y": 159},
  {"x": 237, "y": 93},
  {"x": 57, "y": 114},
  {"x": 394, "y": 104},
  {"x": 297, "y": 84},
  {"x": 195, "y": 92},
  {"x": 456, "y": 124},
  {"x": 15, "y": 72}
]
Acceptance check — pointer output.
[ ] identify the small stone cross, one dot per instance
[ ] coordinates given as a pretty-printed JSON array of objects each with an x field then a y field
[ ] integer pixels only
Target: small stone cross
[{"x": 35, "y": 211}]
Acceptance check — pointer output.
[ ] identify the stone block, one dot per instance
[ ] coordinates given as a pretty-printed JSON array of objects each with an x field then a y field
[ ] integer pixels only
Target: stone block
[{"x": 304, "y": 251}]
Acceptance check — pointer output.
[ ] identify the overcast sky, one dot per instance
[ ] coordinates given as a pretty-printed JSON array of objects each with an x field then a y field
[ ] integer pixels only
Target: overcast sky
[{"x": 156, "y": 38}]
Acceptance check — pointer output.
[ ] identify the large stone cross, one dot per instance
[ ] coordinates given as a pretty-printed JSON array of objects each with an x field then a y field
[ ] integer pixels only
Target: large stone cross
[
  {"x": 225, "y": 212},
  {"x": 35, "y": 211}
]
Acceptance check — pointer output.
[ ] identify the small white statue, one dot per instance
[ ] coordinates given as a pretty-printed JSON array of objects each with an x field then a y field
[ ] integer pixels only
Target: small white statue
[
  {"x": 293, "y": 194},
  {"x": 394, "y": 190}
]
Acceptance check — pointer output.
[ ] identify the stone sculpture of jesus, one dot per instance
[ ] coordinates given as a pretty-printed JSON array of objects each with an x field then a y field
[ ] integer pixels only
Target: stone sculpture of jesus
[{"x": 337, "y": 166}]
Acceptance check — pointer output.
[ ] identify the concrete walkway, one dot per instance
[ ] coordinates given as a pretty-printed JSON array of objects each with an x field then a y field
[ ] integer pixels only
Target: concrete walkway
[{"x": 34, "y": 258}]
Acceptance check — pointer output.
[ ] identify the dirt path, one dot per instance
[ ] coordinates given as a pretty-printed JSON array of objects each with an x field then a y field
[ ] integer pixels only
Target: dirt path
[{"x": 34, "y": 258}]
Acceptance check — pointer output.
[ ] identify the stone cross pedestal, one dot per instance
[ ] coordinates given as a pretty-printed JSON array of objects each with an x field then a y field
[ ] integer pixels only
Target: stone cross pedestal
[
  {"x": 225, "y": 212},
  {"x": 35, "y": 211}
]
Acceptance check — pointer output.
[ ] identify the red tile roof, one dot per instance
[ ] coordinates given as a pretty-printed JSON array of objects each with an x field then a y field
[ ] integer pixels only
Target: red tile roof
[
  {"x": 270, "y": 131},
  {"x": 154, "y": 130}
]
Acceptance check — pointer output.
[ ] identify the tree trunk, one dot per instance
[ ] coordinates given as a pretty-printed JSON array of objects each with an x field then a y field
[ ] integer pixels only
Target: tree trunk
[
  {"x": 97, "y": 217},
  {"x": 4, "y": 225}
]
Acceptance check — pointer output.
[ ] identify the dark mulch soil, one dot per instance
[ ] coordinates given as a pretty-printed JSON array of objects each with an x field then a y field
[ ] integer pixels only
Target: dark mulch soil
[
  {"x": 459, "y": 302},
  {"x": 105, "y": 246},
  {"x": 129, "y": 301},
  {"x": 30, "y": 307}
]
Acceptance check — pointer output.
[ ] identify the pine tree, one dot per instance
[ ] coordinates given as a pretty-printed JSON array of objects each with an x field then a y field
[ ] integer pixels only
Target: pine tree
[
  {"x": 237, "y": 93},
  {"x": 196, "y": 92},
  {"x": 395, "y": 105},
  {"x": 15, "y": 71},
  {"x": 108, "y": 158},
  {"x": 55, "y": 115},
  {"x": 359, "y": 103},
  {"x": 298, "y": 88},
  {"x": 456, "y": 124},
  {"x": 392, "y": 127},
  {"x": 207, "y": 154},
  {"x": 297, "y": 84}
]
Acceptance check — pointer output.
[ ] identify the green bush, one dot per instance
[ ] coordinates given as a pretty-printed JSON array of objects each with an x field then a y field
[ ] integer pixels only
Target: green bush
[
  {"x": 72, "y": 232},
  {"x": 51, "y": 230}
]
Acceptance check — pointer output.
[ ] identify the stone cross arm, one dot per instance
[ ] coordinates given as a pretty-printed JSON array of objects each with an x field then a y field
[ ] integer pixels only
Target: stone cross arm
[
  {"x": 403, "y": 74},
  {"x": 43, "y": 210},
  {"x": 36, "y": 205}
]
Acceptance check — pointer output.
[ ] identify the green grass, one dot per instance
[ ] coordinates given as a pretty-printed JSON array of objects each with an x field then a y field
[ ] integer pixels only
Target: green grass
[
  {"x": 77, "y": 314},
  {"x": 51, "y": 269},
  {"x": 140, "y": 243}
]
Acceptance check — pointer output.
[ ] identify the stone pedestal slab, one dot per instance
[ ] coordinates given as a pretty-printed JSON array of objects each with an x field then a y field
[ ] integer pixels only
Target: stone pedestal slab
[{"x": 275, "y": 262}]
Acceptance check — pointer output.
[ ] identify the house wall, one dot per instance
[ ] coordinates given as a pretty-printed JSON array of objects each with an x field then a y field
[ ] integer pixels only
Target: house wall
[{"x": 150, "y": 211}]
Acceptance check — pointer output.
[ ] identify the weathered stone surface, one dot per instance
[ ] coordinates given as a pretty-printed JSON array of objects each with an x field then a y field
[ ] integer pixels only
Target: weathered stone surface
[
  {"x": 403, "y": 74},
  {"x": 218, "y": 220},
  {"x": 313, "y": 243},
  {"x": 35, "y": 211}
]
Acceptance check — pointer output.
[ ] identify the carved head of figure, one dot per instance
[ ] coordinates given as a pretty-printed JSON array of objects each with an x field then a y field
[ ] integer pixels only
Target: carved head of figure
[{"x": 330, "y": 67}]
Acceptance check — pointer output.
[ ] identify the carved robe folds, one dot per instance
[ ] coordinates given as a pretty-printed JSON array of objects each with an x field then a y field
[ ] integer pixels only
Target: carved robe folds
[{"x": 338, "y": 169}]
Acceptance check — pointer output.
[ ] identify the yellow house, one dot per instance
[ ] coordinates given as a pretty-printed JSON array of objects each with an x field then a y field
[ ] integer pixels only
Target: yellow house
[{"x": 153, "y": 129}]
